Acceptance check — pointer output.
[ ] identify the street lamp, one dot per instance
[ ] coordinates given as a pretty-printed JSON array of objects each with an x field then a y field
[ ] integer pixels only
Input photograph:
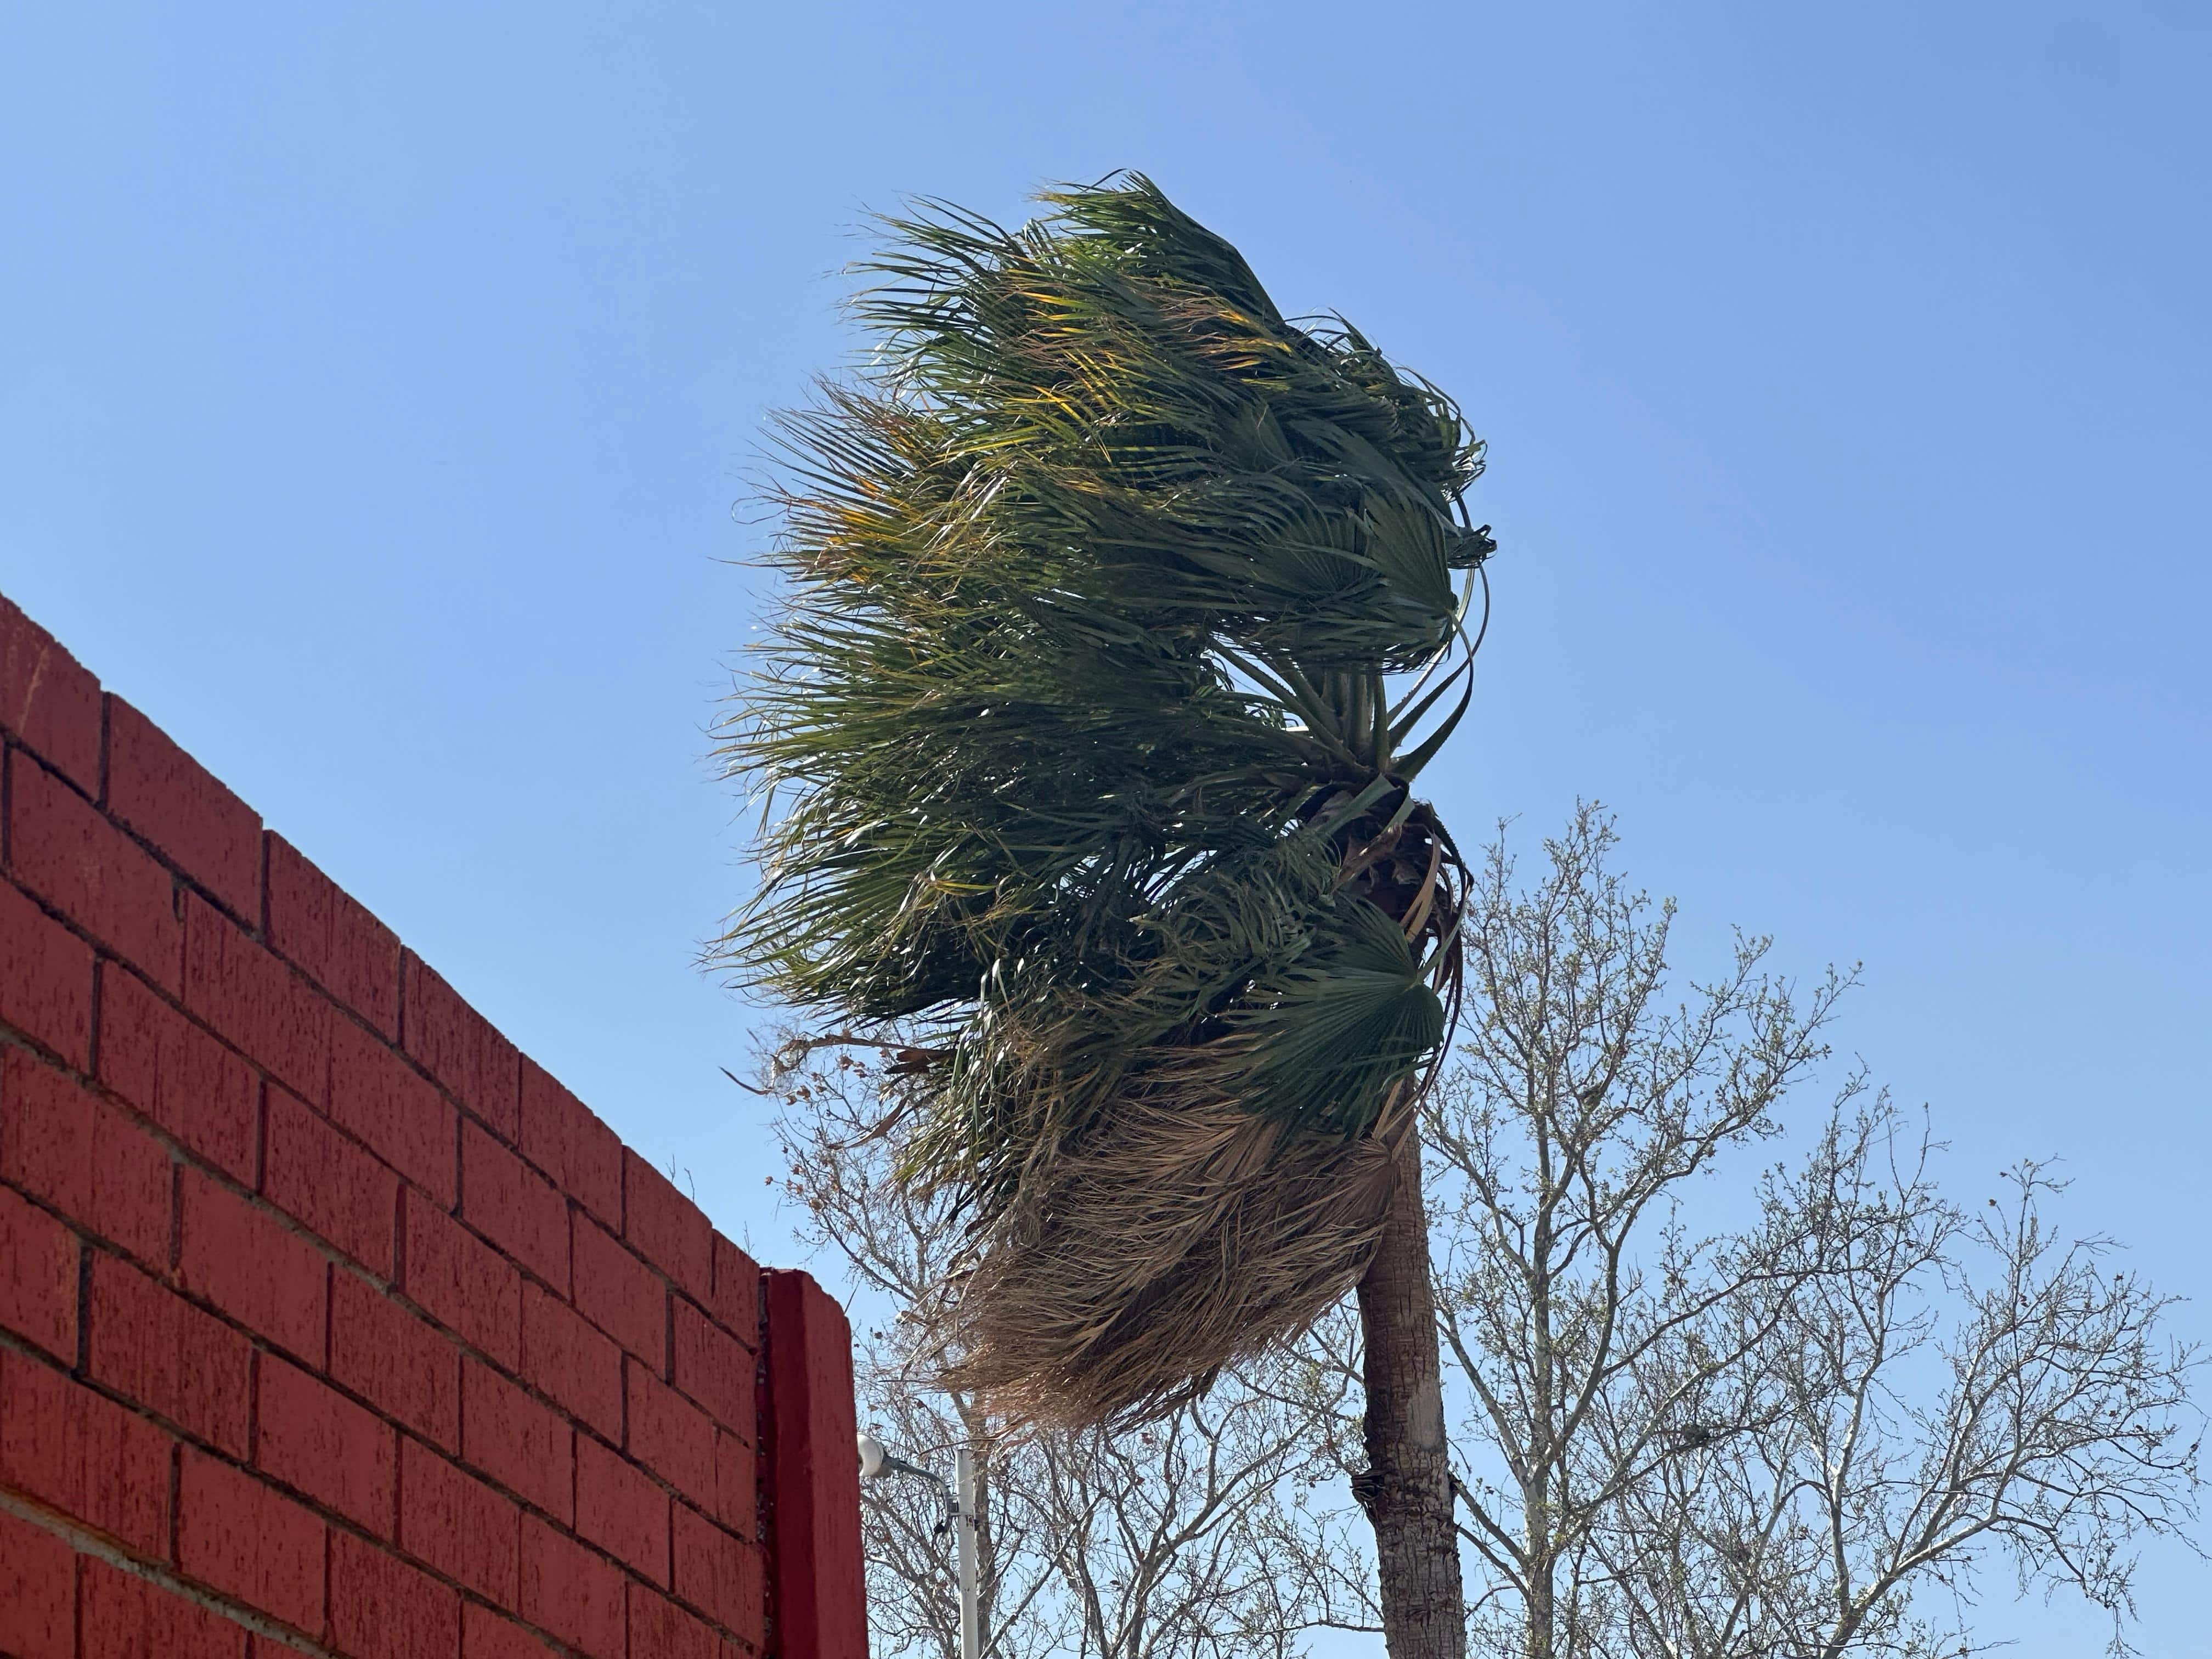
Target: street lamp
[{"x": 877, "y": 1460}]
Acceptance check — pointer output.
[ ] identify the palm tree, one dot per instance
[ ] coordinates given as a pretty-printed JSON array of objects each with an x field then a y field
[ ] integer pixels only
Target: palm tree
[{"x": 1119, "y": 620}]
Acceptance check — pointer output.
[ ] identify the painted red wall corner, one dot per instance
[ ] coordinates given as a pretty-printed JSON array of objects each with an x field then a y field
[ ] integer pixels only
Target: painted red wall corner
[{"x": 812, "y": 1484}]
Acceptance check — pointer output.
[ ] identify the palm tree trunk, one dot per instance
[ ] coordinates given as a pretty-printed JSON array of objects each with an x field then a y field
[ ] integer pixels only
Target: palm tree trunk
[{"x": 1407, "y": 1487}]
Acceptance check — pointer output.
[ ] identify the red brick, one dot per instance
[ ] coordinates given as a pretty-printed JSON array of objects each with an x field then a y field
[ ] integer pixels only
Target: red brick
[
  {"x": 517, "y": 1442},
  {"x": 37, "y": 1591},
  {"x": 380, "y": 1100},
  {"x": 670, "y": 1436},
  {"x": 718, "y": 1574},
  {"x": 666, "y": 1228},
  {"x": 246, "y": 1539},
  {"x": 177, "y": 1075},
  {"x": 456, "y": 1524},
  {"x": 61, "y": 847},
  {"x": 466, "y": 1286},
  {"x": 658, "y": 1629},
  {"x": 152, "y": 1346},
  {"x": 331, "y": 934},
  {"x": 562, "y": 1137},
  {"x": 563, "y": 1357},
  {"x": 382, "y": 1608},
  {"x": 714, "y": 1369},
  {"x": 736, "y": 1486},
  {"x": 252, "y": 998},
  {"x": 509, "y": 1203},
  {"x": 180, "y": 807},
  {"x": 267, "y": 1278},
  {"x": 90, "y": 1458},
  {"x": 61, "y": 1144},
  {"x": 619, "y": 1509},
  {"x": 318, "y": 1177},
  {"x": 47, "y": 699},
  {"x": 461, "y": 1049},
  {"x": 38, "y": 1277},
  {"x": 571, "y": 1592},
  {"x": 620, "y": 1294},
  {"x": 314, "y": 1439},
  {"x": 486, "y": 1635},
  {"x": 388, "y": 1356},
  {"x": 127, "y": 1618},
  {"x": 736, "y": 1291},
  {"x": 46, "y": 979}
]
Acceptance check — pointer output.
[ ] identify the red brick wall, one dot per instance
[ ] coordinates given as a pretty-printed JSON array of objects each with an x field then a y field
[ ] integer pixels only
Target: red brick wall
[{"x": 330, "y": 1322}]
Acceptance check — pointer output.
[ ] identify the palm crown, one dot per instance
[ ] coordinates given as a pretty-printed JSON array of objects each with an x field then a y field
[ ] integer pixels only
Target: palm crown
[{"x": 1082, "y": 774}]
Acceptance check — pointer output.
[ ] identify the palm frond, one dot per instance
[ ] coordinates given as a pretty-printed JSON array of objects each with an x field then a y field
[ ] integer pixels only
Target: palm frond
[{"x": 1077, "y": 750}]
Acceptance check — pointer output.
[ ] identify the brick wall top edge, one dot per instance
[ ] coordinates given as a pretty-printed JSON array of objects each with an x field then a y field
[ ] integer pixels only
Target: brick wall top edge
[
  {"x": 332, "y": 938},
  {"x": 194, "y": 820},
  {"x": 261, "y": 902},
  {"x": 49, "y": 702},
  {"x": 145, "y": 782}
]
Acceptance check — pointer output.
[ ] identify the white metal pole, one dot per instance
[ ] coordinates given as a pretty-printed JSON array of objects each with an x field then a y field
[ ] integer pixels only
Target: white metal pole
[{"x": 971, "y": 1607}]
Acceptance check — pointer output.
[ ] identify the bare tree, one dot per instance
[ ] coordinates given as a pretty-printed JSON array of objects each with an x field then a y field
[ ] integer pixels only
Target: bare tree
[
  {"x": 1579, "y": 1105},
  {"x": 1961, "y": 1386},
  {"x": 1216, "y": 1532},
  {"x": 1762, "y": 1440}
]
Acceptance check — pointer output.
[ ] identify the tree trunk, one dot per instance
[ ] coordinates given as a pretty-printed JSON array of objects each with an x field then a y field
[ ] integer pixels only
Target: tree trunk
[
  {"x": 1407, "y": 1487},
  {"x": 1543, "y": 1614}
]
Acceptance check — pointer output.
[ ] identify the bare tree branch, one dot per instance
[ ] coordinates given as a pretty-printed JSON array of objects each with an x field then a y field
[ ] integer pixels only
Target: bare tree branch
[{"x": 1775, "y": 1442}]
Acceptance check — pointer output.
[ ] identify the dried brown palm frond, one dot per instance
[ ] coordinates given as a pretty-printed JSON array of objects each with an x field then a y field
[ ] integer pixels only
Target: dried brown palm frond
[{"x": 1178, "y": 1242}]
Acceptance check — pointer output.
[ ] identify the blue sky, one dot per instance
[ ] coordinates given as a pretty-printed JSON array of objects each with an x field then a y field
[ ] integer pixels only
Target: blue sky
[{"x": 379, "y": 382}]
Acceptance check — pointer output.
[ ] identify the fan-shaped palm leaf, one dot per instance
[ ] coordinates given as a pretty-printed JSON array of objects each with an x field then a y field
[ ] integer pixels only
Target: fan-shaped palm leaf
[{"x": 1079, "y": 771}]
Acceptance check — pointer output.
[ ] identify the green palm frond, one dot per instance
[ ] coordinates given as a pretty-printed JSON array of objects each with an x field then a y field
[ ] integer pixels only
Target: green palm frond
[{"x": 1076, "y": 747}]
